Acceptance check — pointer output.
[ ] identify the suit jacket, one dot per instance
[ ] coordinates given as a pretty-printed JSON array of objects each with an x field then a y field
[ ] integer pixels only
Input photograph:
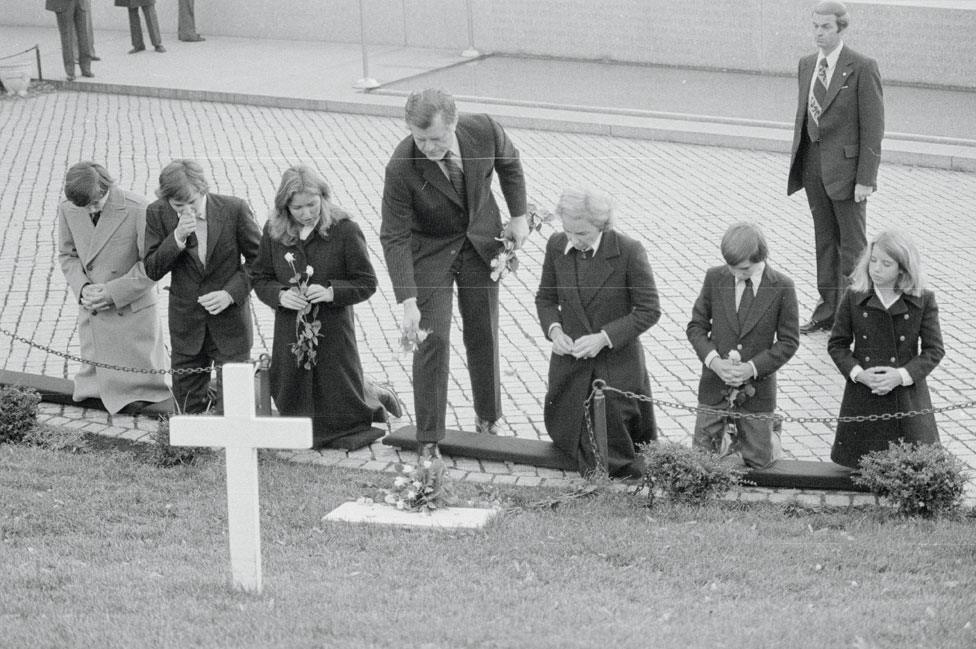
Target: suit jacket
[
  {"x": 58, "y": 6},
  {"x": 423, "y": 217},
  {"x": 851, "y": 125},
  {"x": 231, "y": 234},
  {"x": 769, "y": 337},
  {"x": 127, "y": 334}
]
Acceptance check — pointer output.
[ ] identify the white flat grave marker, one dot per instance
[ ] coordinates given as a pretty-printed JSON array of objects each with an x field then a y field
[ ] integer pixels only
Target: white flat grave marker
[
  {"x": 241, "y": 433},
  {"x": 450, "y": 518}
]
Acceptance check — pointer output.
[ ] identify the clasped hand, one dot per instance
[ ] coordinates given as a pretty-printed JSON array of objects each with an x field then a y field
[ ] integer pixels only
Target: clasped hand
[
  {"x": 731, "y": 372},
  {"x": 215, "y": 301},
  {"x": 293, "y": 299},
  {"x": 95, "y": 298},
  {"x": 587, "y": 346},
  {"x": 881, "y": 380}
]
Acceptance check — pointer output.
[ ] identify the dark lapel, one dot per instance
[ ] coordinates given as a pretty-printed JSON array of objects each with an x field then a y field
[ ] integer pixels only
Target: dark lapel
[
  {"x": 113, "y": 214},
  {"x": 432, "y": 174},
  {"x": 215, "y": 224},
  {"x": 477, "y": 164},
  {"x": 765, "y": 297},
  {"x": 726, "y": 291},
  {"x": 845, "y": 64},
  {"x": 806, "y": 76},
  {"x": 566, "y": 281},
  {"x": 595, "y": 272}
]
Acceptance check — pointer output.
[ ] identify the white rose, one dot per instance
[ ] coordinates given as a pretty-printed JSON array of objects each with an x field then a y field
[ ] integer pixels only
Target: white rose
[
  {"x": 309, "y": 270},
  {"x": 290, "y": 257}
]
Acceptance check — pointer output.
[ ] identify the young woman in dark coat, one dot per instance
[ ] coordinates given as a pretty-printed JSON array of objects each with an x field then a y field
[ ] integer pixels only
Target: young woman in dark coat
[
  {"x": 885, "y": 341},
  {"x": 309, "y": 236}
]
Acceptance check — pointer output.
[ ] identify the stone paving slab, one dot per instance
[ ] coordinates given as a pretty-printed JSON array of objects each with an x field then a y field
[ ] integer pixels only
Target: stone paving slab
[{"x": 453, "y": 518}]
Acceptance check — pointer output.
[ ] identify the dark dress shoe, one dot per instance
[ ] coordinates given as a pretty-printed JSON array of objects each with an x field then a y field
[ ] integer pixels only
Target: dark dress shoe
[
  {"x": 136, "y": 50},
  {"x": 193, "y": 39},
  {"x": 816, "y": 325},
  {"x": 388, "y": 399},
  {"x": 88, "y": 74},
  {"x": 70, "y": 76},
  {"x": 95, "y": 58},
  {"x": 160, "y": 49}
]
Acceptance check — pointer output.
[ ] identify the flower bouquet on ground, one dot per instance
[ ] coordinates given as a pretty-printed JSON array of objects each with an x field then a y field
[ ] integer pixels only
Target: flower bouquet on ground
[
  {"x": 507, "y": 261},
  {"x": 307, "y": 326},
  {"x": 421, "y": 488}
]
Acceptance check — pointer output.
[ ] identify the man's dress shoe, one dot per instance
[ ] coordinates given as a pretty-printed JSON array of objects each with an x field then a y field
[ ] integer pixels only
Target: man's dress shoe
[{"x": 816, "y": 325}]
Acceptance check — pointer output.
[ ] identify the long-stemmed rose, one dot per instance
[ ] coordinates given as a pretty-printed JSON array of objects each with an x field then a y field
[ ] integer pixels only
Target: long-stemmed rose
[{"x": 307, "y": 326}]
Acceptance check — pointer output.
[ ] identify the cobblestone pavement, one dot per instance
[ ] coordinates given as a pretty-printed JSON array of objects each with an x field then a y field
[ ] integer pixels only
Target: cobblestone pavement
[{"x": 676, "y": 198}]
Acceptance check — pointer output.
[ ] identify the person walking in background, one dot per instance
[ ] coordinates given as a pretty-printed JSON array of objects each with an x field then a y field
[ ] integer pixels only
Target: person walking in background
[
  {"x": 91, "y": 34},
  {"x": 101, "y": 240},
  {"x": 202, "y": 238},
  {"x": 310, "y": 237},
  {"x": 187, "y": 30},
  {"x": 440, "y": 228},
  {"x": 135, "y": 27},
  {"x": 836, "y": 152},
  {"x": 596, "y": 297},
  {"x": 72, "y": 18},
  {"x": 886, "y": 340},
  {"x": 744, "y": 327}
]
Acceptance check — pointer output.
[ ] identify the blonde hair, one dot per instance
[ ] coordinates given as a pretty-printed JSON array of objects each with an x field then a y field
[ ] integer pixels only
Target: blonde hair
[
  {"x": 595, "y": 208},
  {"x": 898, "y": 246},
  {"x": 302, "y": 179}
]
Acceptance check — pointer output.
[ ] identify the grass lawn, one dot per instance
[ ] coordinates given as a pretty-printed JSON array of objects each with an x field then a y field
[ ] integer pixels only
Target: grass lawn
[{"x": 103, "y": 550}]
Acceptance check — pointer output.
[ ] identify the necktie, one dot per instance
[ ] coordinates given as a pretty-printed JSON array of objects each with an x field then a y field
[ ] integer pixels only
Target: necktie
[
  {"x": 456, "y": 174},
  {"x": 95, "y": 216},
  {"x": 745, "y": 302},
  {"x": 817, "y": 101}
]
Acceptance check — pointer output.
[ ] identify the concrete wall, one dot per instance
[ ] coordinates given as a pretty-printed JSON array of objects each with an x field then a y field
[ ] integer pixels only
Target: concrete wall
[{"x": 914, "y": 42}]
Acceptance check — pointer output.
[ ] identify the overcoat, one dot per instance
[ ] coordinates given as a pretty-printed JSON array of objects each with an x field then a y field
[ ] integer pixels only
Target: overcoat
[
  {"x": 232, "y": 236},
  {"x": 614, "y": 292},
  {"x": 128, "y": 335},
  {"x": 332, "y": 390},
  {"x": 769, "y": 337},
  {"x": 905, "y": 335}
]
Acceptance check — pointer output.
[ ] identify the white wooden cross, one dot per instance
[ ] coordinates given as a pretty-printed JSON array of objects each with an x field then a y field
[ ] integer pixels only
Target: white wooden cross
[{"x": 242, "y": 433}]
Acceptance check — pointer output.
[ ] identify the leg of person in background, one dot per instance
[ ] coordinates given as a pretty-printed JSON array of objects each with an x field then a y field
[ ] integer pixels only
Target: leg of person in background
[
  {"x": 66, "y": 32},
  {"x": 81, "y": 21},
  {"x": 135, "y": 31},
  {"x": 187, "y": 27},
  {"x": 88, "y": 30},
  {"x": 152, "y": 25}
]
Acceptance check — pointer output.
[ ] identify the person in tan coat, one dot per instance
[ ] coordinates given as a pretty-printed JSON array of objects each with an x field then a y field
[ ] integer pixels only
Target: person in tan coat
[{"x": 101, "y": 243}]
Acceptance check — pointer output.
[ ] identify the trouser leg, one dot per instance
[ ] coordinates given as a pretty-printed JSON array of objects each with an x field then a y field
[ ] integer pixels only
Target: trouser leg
[
  {"x": 152, "y": 25},
  {"x": 135, "y": 29},
  {"x": 478, "y": 305},
  {"x": 431, "y": 361},
  {"x": 66, "y": 33},
  {"x": 825, "y": 234},
  {"x": 186, "y": 21}
]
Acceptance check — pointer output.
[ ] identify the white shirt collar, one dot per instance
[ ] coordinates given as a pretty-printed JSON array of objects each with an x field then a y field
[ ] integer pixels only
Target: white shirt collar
[
  {"x": 594, "y": 247},
  {"x": 755, "y": 277},
  {"x": 831, "y": 58}
]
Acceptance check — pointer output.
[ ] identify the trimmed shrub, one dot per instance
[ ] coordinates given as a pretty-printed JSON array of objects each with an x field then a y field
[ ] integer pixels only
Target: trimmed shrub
[
  {"x": 686, "y": 474},
  {"x": 918, "y": 479},
  {"x": 18, "y": 412},
  {"x": 56, "y": 438}
]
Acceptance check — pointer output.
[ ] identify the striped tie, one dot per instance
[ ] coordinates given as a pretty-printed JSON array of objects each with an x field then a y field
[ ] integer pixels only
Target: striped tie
[
  {"x": 456, "y": 174},
  {"x": 817, "y": 101}
]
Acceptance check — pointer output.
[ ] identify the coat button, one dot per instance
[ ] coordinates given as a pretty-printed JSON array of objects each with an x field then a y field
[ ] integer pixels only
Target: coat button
[
  {"x": 891, "y": 360},
  {"x": 89, "y": 267},
  {"x": 867, "y": 359},
  {"x": 739, "y": 346},
  {"x": 901, "y": 338},
  {"x": 864, "y": 336},
  {"x": 906, "y": 316},
  {"x": 865, "y": 314}
]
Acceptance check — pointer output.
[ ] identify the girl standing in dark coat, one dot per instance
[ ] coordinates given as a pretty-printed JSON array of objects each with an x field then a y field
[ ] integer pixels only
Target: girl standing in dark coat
[
  {"x": 892, "y": 321},
  {"x": 312, "y": 238}
]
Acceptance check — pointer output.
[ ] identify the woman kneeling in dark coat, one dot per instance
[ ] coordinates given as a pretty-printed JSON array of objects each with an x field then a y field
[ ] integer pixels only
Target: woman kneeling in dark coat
[
  {"x": 312, "y": 267},
  {"x": 892, "y": 321}
]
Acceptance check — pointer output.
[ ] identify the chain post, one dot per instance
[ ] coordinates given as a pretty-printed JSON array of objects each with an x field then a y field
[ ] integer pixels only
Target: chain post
[
  {"x": 600, "y": 423},
  {"x": 262, "y": 385}
]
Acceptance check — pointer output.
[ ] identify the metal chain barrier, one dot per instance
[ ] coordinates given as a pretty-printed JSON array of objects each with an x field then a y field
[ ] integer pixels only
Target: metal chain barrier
[
  {"x": 109, "y": 366},
  {"x": 737, "y": 414}
]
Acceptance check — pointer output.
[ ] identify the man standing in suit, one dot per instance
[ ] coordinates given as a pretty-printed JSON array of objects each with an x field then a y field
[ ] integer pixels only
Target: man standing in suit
[
  {"x": 596, "y": 297},
  {"x": 100, "y": 244},
  {"x": 73, "y": 19},
  {"x": 744, "y": 327},
  {"x": 440, "y": 223},
  {"x": 201, "y": 238},
  {"x": 836, "y": 152}
]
